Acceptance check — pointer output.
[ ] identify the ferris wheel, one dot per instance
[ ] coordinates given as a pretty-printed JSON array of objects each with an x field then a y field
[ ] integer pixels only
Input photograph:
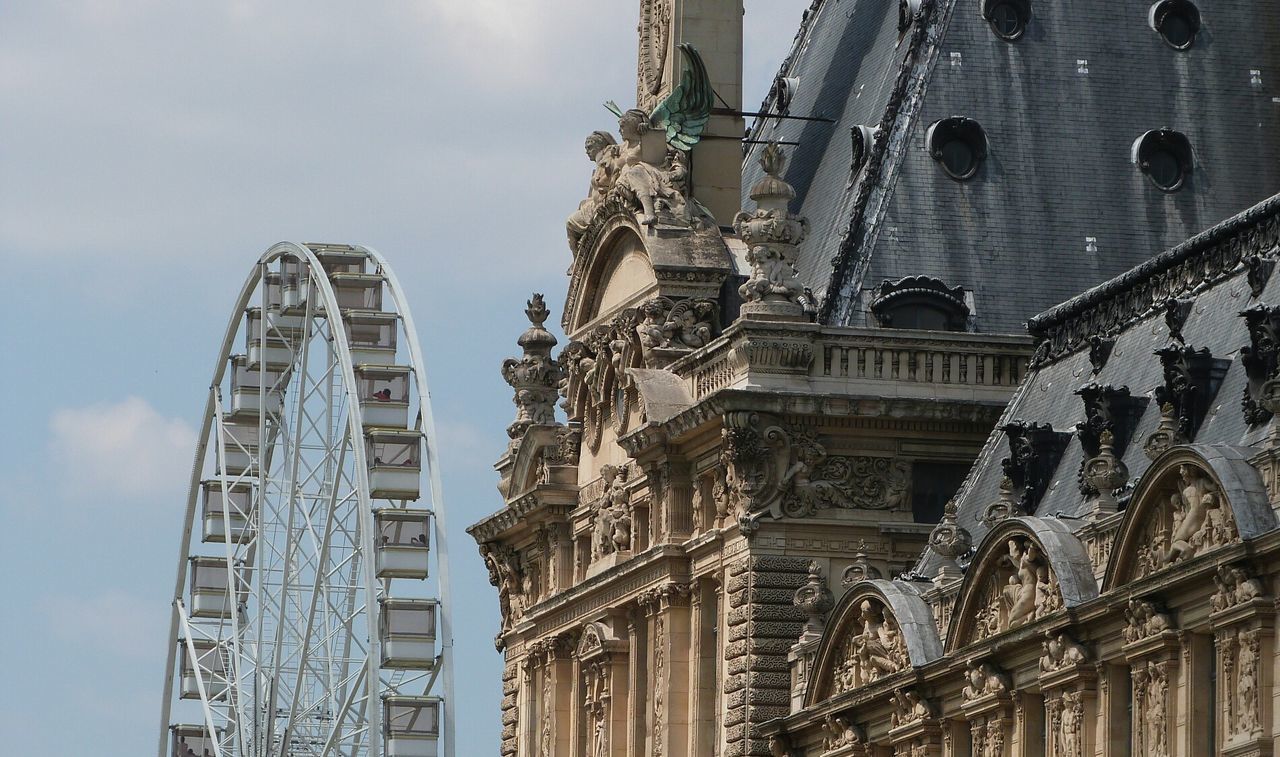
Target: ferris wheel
[{"x": 311, "y": 610}]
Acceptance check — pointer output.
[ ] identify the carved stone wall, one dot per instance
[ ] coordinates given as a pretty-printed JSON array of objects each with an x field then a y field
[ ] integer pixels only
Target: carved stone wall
[{"x": 762, "y": 625}]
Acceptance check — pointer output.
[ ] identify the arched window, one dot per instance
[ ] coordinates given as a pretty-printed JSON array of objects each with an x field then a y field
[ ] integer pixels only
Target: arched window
[
  {"x": 1008, "y": 18},
  {"x": 959, "y": 145},
  {"x": 1164, "y": 155},
  {"x": 920, "y": 302},
  {"x": 1177, "y": 21}
]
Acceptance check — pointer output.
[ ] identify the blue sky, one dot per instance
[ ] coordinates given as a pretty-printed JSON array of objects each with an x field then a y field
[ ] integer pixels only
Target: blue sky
[{"x": 151, "y": 151}]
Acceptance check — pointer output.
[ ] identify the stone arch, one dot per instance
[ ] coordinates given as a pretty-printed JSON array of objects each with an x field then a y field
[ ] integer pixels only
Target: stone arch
[
  {"x": 878, "y": 628},
  {"x": 1193, "y": 499},
  {"x": 1025, "y": 568},
  {"x": 614, "y": 271}
]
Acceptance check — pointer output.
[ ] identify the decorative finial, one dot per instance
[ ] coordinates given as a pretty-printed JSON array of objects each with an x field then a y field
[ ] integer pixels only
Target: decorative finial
[
  {"x": 772, "y": 233},
  {"x": 816, "y": 600},
  {"x": 1105, "y": 473},
  {"x": 948, "y": 539},
  {"x": 534, "y": 376}
]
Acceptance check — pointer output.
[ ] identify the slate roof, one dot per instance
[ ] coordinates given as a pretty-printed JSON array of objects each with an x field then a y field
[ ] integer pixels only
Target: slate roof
[
  {"x": 1206, "y": 270},
  {"x": 1059, "y": 168}
]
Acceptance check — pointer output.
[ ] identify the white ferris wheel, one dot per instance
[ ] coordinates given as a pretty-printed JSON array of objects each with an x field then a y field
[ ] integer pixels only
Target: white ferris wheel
[{"x": 311, "y": 611}]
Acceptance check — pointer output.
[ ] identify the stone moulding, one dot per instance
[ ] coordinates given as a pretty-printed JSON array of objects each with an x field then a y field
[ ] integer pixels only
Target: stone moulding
[{"x": 1109, "y": 308}]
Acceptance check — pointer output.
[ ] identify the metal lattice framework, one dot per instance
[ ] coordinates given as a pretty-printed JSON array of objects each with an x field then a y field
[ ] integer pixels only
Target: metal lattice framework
[{"x": 309, "y": 603}]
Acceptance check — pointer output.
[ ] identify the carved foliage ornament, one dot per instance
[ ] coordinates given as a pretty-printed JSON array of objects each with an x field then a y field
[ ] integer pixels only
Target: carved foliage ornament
[
  {"x": 1191, "y": 378},
  {"x": 595, "y": 386},
  {"x": 1186, "y": 517},
  {"x": 788, "y": 472},
  {"x": 1108, "y": 410},
  {"x": 655, "y": 40},
  {"x": 872, "y": 648},
  {"x": 1019, "y": 589}
]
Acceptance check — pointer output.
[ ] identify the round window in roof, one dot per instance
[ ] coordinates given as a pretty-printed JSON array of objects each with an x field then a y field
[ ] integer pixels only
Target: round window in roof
[
  {"x": 1164, "y": 155},
  {"x": 1177, "y": 22},
  {"x": 1008, "y": 18},
  {"x": 958, "y": 144}
]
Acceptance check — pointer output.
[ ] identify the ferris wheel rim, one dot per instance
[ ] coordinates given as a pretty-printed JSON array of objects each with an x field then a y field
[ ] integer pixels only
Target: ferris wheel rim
[{"x": 355, "y": 429}]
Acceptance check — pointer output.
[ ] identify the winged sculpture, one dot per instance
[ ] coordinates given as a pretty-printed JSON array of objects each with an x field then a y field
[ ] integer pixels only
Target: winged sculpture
[{"x": 649, "y": 169}]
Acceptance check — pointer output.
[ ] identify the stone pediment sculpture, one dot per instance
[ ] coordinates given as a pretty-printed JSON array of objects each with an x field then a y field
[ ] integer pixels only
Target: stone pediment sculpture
[
  {"x": 648, "y": 171},
  {"x": 1189, "y": 517},
  {"x": 873, "y": 647},
  {"x": 1019, "y": 587}
]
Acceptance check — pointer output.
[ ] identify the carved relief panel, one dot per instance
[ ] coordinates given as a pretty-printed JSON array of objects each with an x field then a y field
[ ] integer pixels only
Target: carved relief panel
[
  {"x": 1018, "y": 589},
  {"x": 872, "y": 648},
  {"x": 1186, "y": 517}
]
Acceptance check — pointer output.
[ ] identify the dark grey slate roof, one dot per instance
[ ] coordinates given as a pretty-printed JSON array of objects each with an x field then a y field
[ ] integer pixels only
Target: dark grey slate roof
[
  {"x": 1059, "y": 169},
  {"x": 1206, "y": 269}
]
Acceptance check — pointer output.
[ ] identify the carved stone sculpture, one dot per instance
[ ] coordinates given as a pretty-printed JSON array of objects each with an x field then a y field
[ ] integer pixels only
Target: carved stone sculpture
[
  {"x": 1190, "y": 517},
  {"x": 505, "y": 575},
  {"x": 1143, "y": 620},
  {"x": 1104, "y": 473},
  {"x": 535, "y": 376},
  {"x": 1151, "y": 710},
  {"x": 1166, "y": 435},
  {"x": 873, "y": 648},
  {"x": 788, "y": 472},
  {"x": 1235, "y": 587},
  {"x": 983, "y": 680},
  {"x": 948, "y": 539},
  {"x": 772, "y": 233},
  {"x": 602, "y": 150},
  {"x": 1021, "y": 589},
  {"x": 839, "y": 733},
  {"x": 668, "y": 329},
  {"x": 611, "y": 514},
  {"x": 908, "y": 708},
  {"x": 1034, "y": 452},
  {"x": 1060, "y": 652},
  {"x": 1067, "y": 724},
  {"x": 860, "y": 569},
  {"x": 1192, "y": 503}
]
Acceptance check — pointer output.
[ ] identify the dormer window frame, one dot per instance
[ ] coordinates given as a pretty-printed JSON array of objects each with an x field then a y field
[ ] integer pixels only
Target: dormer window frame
[
  {"x": 892, "y": 298},
  {"x": 946, "y": 139}
]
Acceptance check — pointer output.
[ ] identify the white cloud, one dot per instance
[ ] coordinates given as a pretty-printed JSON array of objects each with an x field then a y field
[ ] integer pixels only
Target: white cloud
[
  {"x": 127, "y": 448},
  {"x": 115, "y": 623}
]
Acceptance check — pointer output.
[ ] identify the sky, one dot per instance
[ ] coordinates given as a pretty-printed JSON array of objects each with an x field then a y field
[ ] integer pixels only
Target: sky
[{"x": 150, "y": 151}]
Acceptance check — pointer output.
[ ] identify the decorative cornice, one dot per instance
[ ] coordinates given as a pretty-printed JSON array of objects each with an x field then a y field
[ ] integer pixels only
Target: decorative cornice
[
  {"x": 1204, "y": 259},
  {"x": 515, "y": 514}
]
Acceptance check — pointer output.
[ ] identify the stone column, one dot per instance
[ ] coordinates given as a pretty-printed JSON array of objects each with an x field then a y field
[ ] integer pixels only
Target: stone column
[
  {"x": 1069, "y": 687},
  {"x": 670, "y": 697},
  {"x": 638, "y": 663}
]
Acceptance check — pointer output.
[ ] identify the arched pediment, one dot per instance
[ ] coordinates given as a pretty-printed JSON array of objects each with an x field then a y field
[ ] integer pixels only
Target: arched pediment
[
  {"x": 1025, "y": 568},
  {"x": 622, "y": 263},
  {"x": 1193, "y": 499},
  {"x": 879, "y": 628}
]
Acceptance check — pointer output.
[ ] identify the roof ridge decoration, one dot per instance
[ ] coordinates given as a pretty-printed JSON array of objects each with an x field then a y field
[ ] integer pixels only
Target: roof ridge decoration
[
  {"x": 851, "y": 261},
  {"x": 1202, "y": 260}
]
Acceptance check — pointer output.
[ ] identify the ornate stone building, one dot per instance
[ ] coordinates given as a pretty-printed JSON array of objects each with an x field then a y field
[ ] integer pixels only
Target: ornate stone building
[
  {"x": 766, "y": 409},
  {"x": 1105, "y": 582}
]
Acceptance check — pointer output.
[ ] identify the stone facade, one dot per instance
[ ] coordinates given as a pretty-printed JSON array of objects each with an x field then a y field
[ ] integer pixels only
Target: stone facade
[
  {"x": 717, "y": 548},
  {"x": 1143, "y": 626}
]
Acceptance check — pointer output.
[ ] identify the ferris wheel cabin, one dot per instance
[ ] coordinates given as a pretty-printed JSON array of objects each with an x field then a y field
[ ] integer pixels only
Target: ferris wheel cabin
[
  {"x": 411, "y": 726},
  {"x": 240, "y": 444},
  {"x": 255, "y": 389},
  {"x": 226, "y": 514},
  {"x": 372, "y": 336},
  {"x": 384, "y": 395},
  {"x": 209, "y": 596},
  {"x": 357, "y": 291},
  {"x": 192, "y": 741},
  {"x": 212, "y": 665},
  {"x": 272, "y": 345},
  {"x": 395, "y": 463},
  {"x": 403, "y": 542},
  {"x": 408, "y": 629}
]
